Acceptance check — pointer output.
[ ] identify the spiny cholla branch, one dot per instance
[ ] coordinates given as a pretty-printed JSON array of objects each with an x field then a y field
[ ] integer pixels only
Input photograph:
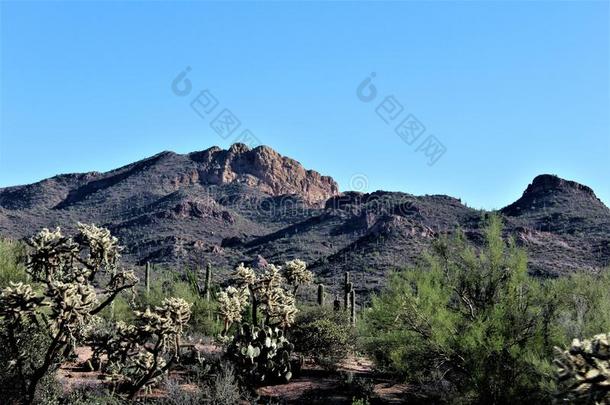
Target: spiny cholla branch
[
  {"x": 140, "y": 353},
  {"x": 64, "y": 297},
  {"x": 583, "y": 371}
]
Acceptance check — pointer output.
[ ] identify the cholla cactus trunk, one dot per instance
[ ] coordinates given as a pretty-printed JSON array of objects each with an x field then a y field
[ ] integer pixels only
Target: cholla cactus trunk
[
  {"x": 336, "y": 304},
  {"x": 178, "y": 345},
  {"x": 352, "y": 304},
  {"x": 208, "y": 282},
  {"x": 320, "y": 294},
  {"x": 253, "y": 306}
]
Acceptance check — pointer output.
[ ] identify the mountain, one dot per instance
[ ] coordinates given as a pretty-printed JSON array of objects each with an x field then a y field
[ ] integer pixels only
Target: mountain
[
  {"x": 241, "y": 204},
  {"x": 563, "y": 224}
]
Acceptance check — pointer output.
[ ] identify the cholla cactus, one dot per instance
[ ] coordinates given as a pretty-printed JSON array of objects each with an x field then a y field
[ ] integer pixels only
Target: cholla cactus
[
  {"x": 266, "y": 292},
  {"x": 263, "y": 352},
  {"x": 277, "y": 303},
  {"x": 178, "y": 310},
  {"x": 52, "y": 253},
  {"x": 140, "y": 354},
  {"x": 65, "y": 270},
  {"x": 271, "y": 278},
  {"x": 71, "y": 305},
  {"x": 104, "y": 248},
  {"x": 583, "y": 371},
  {"x": 281, "y": 307},
  {"x": 295, "y": 271},
  {"x": 19, "y": 300},
  {"x": 244, "y": 276},
  {"x": 231, "y": 304}
]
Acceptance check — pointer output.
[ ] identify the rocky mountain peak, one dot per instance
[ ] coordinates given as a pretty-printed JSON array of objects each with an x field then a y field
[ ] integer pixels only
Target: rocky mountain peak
[
  {"x": 546, "y": 183},
  {"x": 239, "y": 148},
  {"x": 265, "y": 169},
  {"x": 548, "y": 193}
]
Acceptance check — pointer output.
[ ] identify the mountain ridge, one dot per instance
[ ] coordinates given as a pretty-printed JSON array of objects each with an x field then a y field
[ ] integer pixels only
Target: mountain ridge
[{"x": 225, "y": 206}]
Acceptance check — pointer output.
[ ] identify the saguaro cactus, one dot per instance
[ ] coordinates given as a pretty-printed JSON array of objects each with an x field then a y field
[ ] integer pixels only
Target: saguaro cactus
[
  {"x": 208, "y": 282},
  {"x": 321, "y": 294},
  {"x": 352, "y": 304},
  {"x": 347, "y": 287},
  {"x": 346, "y": 290},
  {"x": 147, "y": 278},
  {"x": 336, "y": 303}
]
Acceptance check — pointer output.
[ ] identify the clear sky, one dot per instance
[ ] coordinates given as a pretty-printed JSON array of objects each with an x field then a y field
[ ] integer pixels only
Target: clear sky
[{"x": 510, "y": 89}]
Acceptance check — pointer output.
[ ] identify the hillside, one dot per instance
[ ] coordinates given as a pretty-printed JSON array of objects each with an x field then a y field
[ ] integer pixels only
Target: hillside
[{"x": 226, "y": 206}]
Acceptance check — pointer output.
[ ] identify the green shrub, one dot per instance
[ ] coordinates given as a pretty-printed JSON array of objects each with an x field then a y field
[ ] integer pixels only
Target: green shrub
[
  {"x": 322, "y": 334},
  {"x": 12, "y": 262},
  {"x": 582, "y": 304},
  {"x": 223, "y": 389},
  {"x": 473, "y": 319}
]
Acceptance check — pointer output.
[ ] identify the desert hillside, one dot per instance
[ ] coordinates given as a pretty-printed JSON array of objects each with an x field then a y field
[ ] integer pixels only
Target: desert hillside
[{"x": 227, "y": 206}]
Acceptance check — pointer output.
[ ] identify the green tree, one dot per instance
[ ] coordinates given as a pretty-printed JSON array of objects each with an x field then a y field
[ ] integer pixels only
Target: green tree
[{"x": 471, "y": 318}]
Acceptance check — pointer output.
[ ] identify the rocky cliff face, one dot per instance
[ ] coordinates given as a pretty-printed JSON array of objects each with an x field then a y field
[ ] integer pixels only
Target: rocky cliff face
[
  {"x": 229, "y": 206},
  {"x": 265, "y": 169}
]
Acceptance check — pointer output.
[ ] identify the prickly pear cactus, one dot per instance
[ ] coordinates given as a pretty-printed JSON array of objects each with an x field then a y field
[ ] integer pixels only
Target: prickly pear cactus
[
  {"x": 261, "y": 354},
  {"x": 583, "y": 371},
  {"x": 261, "y": 351}
]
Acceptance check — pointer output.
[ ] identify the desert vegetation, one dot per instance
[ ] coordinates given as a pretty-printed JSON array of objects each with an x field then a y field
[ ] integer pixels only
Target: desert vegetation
[{"x": 467, "y": 325}]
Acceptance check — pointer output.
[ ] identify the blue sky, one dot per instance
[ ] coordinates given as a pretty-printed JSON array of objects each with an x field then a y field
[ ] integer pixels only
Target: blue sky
[{"x": 510, "y": 89}]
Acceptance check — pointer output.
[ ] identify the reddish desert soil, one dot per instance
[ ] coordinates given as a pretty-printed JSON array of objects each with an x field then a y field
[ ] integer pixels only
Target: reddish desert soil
[{"x": 311, "y": 385}]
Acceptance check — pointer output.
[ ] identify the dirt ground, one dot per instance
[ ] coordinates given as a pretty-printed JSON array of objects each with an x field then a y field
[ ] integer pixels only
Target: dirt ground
[{"x": 312, "y": 385}]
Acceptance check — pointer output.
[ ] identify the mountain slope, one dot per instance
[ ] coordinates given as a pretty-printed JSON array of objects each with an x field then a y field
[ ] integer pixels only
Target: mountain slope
[
  {"x": 226, "y": 206},
  {"x": 562, "y": 223}
]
